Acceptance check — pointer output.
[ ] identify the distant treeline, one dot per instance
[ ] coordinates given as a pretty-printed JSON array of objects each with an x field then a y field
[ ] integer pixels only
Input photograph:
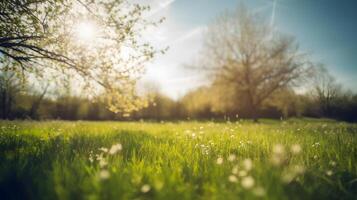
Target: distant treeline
[{"x": 204, "y": 103}]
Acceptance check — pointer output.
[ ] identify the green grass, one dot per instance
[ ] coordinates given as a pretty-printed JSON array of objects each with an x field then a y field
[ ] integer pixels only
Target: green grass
[{"x": 52, "y": 160}]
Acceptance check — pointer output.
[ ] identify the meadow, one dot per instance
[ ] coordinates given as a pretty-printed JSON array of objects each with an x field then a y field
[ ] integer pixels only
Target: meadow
[{"x": 292, "y": 159}]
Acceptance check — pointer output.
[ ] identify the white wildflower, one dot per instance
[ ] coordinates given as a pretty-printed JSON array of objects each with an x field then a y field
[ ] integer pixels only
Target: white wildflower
[
  {"x": 332, "y": 163},
  {"x": 105, "y": 150},
  {"x": 145, "y": 188},
  {"x": 288, "y": 177},
  {"x": 103, "y": 163},
  {"x": 295, "y": 149},
  {"x": 115, "y": 148},
  {"x": 232, "y": 157},
  {"x": 248, "y": 164},
  {"x": 104, "y": 174},
  {"x": 298, "y": 169},
  {"x": 248, "y": 182},
  {"x": 259, "y": 191},
  {"x": 235, "y": 170},
  {"x": 242, "y": 173},
  {"x": 233, "y": 179},
  {"x": 329, "y": 172},
  {"x": 279, "y": 156},
  {"x": 278, "y": 149},
  {"x": 219, "y": 160}
]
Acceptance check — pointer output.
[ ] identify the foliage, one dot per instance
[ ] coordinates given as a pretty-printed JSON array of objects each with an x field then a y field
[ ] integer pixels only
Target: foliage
[
  {"x": 295, "y": 159},
  {"x": 43, "y": 38}
]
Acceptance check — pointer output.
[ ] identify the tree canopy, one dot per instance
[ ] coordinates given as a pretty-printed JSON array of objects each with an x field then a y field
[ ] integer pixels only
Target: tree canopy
[
  {"x": 96, "y": 42},
  {"x": 252, "y": 60}
]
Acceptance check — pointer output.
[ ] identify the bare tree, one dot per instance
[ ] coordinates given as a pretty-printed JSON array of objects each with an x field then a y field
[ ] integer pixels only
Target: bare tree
[
  {"x": 325, "y": 90},
  {"x": 245, "y": 53}
]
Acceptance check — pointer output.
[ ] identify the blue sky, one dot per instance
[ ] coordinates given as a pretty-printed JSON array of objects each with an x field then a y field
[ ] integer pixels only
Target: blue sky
[{"x": 325, "y": 28}]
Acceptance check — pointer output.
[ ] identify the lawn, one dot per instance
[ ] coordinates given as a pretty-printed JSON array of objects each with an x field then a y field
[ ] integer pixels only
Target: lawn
[{"x": 294, "y": 159}]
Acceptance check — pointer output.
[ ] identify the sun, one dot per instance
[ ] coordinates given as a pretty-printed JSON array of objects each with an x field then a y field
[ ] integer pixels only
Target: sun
[{"x": 85, "y": 31}]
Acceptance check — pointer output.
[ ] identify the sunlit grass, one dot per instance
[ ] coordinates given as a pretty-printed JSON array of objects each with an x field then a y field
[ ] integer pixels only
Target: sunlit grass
[{"x": 297, "y": 159}]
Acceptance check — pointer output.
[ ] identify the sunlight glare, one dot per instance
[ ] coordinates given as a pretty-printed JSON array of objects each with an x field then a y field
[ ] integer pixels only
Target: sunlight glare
[{"x": 85, "y": 31}]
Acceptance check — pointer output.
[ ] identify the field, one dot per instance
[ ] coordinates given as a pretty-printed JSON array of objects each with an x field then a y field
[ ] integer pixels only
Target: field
[{"x": 294, "y": 159}]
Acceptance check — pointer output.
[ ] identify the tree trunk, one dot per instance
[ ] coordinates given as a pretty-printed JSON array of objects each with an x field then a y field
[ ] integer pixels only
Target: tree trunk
[
  {"x": 254, "y": 113},
  {"x": 36, "y": 104}
]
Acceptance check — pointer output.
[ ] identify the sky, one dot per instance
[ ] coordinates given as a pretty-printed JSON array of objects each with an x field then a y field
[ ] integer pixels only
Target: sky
[{"x": 326, "y": 29}]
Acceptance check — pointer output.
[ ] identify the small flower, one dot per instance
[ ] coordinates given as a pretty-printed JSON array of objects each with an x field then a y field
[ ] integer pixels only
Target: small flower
[
  {"x": 332, "y": 163},
  {"x": 115, "y": 148},
  {"x": 278, "y": 149},
  {"x": 103, "y": 163},
  {"x": 242, "y": 173},
  {"x": 259, "y": 191},
  {"x": 316, "y": 144},
  {"x": 220, "y": 161},
  {"x": 99, "y": 157},
  {"x": 295, "y": 149},
  {"x": 145, "y": 188},
  {"x": 248, "y": 164},
  {"x": 315, "y": 157},
  {"x": 298, "y": 169},
  {"x": 288, "y": 177},
  {"x": 235, "y": 170},
  {"x": 329, "y": 172},
  {"x": 104, "y": 174},
  {"x": 232, "y": 157},
  {"x": 248, "y": 182},
  {"x": 232, "y": 179},
  {"x": 105, "y": 150}
]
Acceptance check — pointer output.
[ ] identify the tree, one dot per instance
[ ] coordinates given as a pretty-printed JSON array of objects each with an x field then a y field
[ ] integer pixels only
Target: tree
[
  {"x": 10, "y": 86},
  {"x": 245, "y": 53},
  {"x": 96, "y": 42},
  {"x": 325, "y": 90},
  {"x": 37, "y": 102}
]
